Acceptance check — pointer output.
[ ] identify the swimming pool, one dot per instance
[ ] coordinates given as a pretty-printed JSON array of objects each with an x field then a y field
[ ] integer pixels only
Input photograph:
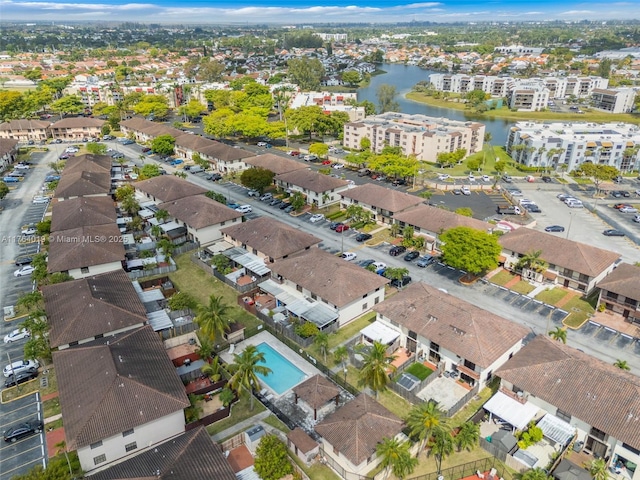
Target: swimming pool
[{"x": 284, "y": 374}]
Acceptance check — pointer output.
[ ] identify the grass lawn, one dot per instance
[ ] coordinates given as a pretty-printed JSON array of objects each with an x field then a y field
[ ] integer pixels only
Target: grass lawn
[
  {"x": 32, "y": 387},
  {"x": 55, "y": 424},
  {"x": 394, "y": 403},
  {"x": 502, "y": 278},
  {"x": 348, "y": 331},
  {"x": 551, "y": 296},
  {"x": 523, "y": 287},
  {"x": 276, "y": 423},
  {"x": 474, "y": 405},
  {"x": 317, "y": 471},
  {"x": 381, "y": 236},
  {"x": 239, "y": 412},
  {"x": 51, "y": 407},
  {"x": 579, "y": 312},
  {"x": 419, "y": 370}
]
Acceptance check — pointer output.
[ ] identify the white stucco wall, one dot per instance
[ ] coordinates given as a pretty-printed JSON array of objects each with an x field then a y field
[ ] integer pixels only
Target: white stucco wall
[{"x": 96, "y": 270}]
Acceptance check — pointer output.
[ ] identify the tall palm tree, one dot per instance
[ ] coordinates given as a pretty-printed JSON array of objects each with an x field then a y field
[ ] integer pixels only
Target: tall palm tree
[
  {"x": 212, "y": 370},
  {"x": 468, "y": 436},
  {"x": 322, "y": 342},
  {"x": 622, "y": 365},
  {"x": 30, "y": 301},
  {"x": 423, "y": 420},
  {"x": 61, "y": 446},
  {"x": 441, "y": 446},
  {"x": 559, "y": 334},
  {"x": 244, "y": 371},
  {"x": 376, "y": 364},
  {"x": 396, "y": 457},
  {"x": 212, "y": 318},
  {"x": 162, "y": 215},
  {"x": 598, "y": 469},
  {"x": 532, "y": 261}
]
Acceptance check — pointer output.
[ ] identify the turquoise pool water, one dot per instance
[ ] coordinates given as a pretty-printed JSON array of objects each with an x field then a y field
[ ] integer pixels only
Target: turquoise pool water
[{"x": 284, "y": 374}]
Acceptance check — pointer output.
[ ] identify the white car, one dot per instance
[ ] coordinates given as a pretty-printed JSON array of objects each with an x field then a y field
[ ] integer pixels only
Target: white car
[
  {"x": 244, "y": 209},
  {"x": 486, "y": 178},
  {"x": 20, "y": 366},
  {"x": 24, "y": 271},
  {"x": 71, "y": 150},
  {"x": 337, "y": 166},
  {"x": 318, "y": 217},
  {"x": 39, "y": 200},
  {"x": 15, "y": 335},
  {"x": 379, "y": 265},
  {"x": 472, "y": 178},
  {"x": 348, "y": 256},
  {"x": 21, "y": 166},
  {"x": 628, "y": 210},
  {"x": 28, "y": 231},
  {"x": 262, "y": 144},
  {"x": 443, "y": 176},
  {"x": 465, "y": 190}
]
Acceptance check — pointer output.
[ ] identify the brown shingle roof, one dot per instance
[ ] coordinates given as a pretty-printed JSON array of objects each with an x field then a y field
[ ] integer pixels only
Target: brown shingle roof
[
  {"x": 579, "y": 257},
  {"x": 317, "y": 391},
  {"x": 7, "y": 145},
  {"x": 382, "y": 197},
  {"x": 78, "y": 184},
  {"x": 194, "y": 142},
  {"x": 271, "y": 237},
  {"x": 314, "y": 181},
  {"x": 225, "y": 152},
  {"x": 433, "y": 219},
  {"x": 199, "y": 211},
  {"x": 597, "y": 393},
  {"x": 356, "y": 428},
  {"x": 302, "y": 440},
  {"x": 24, "y": 125},
  {"x": 329, "y": 277},
  {"x": 452, "y": 323},
  {"x": 75, "y": 122},
  {"x": 624, "y": 280},
  {"x": 82, "y": 211},
  {"x": 84, "y": 247},
  {"x": 91, "y": 306},
  {"x": 113, "y": 384},
  {"x": 88, "y": 163},
  {"x": 167, "y": 188},
  {"x": 275, "y": 163}
]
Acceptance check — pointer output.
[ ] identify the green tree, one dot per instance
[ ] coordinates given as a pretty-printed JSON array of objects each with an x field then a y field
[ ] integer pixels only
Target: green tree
[
  {"x": 386, "y": 95},
  {"x": 218, "y": 197},
  {"x": 598, "y": 469},
  {"x": 319, "y": 149},
  {"x": 535, "y": 474},
  {"x": 441, "y": 446},
  {"x": 244, "y": 370},
  {"x": 351, "y": 77},
  {"x": 192, "y": 109},
  {"x": 4, "y": 190},
  {"x": 149, "y": 170},
  {"x": 124, "y": 191},
  {"x": 532, "y": 261},
  {"x": 305, "y": 119},
  {"x": 321, "y": 341},
  {"x": 376, "y": 365},
  {"x": 340, "y": 354},
  {"x": 213, "y": 318},
  {"x": 96, "y": 148},
  {"x": 598, "y": 173},
  {"x": 423, "y": 420},
  {"x": 393, "y": 273},
  {"x": 298, "y": 201},
  {"x": 227, "y": 396},
  {"x": 395, "y": 457},
  {"x": 130, "y": 205},
  {"x": 272, "y": 460},
  {"x": 163, "y": 144},
  {"x": 559, "y": 334},
  {"x": 32, "y": 301},
  {"x": 468, "y": 436},
  {"x": 471, "y": 250},
  {"x": 182, "y": 301},
  {"x": 154, "y": 106},
  {"x": 500, "y": 166},
  {"x": 306, "y": 72},
  {"x": 213, "y": 369},
  {"x": 464, "y": 211},
  {"x": 56, "y": 166},
  {"x": 365, "y": 143},
  {"x": 622, "y": 365},
  {"x": 71, "y": 104},
  {"x": 257, "y": 178}
]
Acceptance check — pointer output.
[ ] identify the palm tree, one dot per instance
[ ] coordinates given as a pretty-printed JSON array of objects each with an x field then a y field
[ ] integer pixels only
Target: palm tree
[
  {"x": 212, "y": 370},
  {"x": 441, "y": 446},
  {"x": 226, "y": 397},
  {"x": 322, "y": 342},
  {"x": 598, "y": 469},
  {"x": 532, "y": 261},
  {"x": 212, "y": 318},
  {"x": 162, "y": 215},
  {"x": 376, "y": 364},
  {"x": 244, "y": 370},
  {"x": 423, "y": 420},
  {"x": 559, "y": 334},
  {"x": 130, "y": 204},
  {"x": 394, "y": 229},
  {"x": 622, "y": 365},
  {"x": 61, "y": 446},
  {"x": 534, "y": 474},
  {"x": 468, "y": 436},
  {"x": 396, "y": 457},
  {"x": 31, "y": 300}
]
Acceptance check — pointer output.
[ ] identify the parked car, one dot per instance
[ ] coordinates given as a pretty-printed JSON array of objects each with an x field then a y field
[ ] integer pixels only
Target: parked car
[
  {"x": 293, "y": 153},
  {"x": 472, "y": 178},
  {"x": 21, "y": 166},
  {"x": 253, "y": 193},
  {"x": 406, "y": 280},
  {"x": 23, "y": 430},
  {"x": 618, "y": 206},
  {"x": 316, "y": 218},
  {"x": 426, "y": 261},
  {"x": 327, "y": 162},
  {"x": 127, "y": 142},
  {"x": 456, "y": 191},
  {"x": 13, "y": 380},
  {"x": 51, "y": 178},
  {"x": 337, "y": 166},
  {"x": 411, "y": 256},
  {"x": 363, "y": 237},
  {"x": 24, "y": 271},
  {"x": 613, "y": 233},
  {"x": 636, "y": 218},
  {"x": 554, "y": 228},
  {"x": 486, "y": 178},
  {"x": 532, "y": 208},
  {"x": 15, "y": 335},
  {"x": 23, "y": 260},
  {"x": 111, "y": 137},
  {"x": 288, "y": 208},
  {"x": 28, "y": 231},
  {"x": 214, "y": 177},
  {"x": 233, "y": 205},
  {"x": 507, "y": 178},
  {"x": 262, "y": 144},
  {"x": 514, "y": 192},
  {"x": 399, "y": 181},
  {"x": 628, "y": 210},
  {"x": 334, "y": 225},
  {"x": 310, "y": 158},
  {"x": 443, "y": 176},
  {"x": 244, "y": 209},
  {"x": 284, "y": 205},
  {"x": 266, "y": 196},
  {"x": 342, "y": 228},
  {"x": 380, "y": 267},
  {"x": 176, "y": 161},
  {"x": 20, "y": 366},
  {"x": 397, "y": 250},
  {"x": 465, "y": 190},
  {"x": 546, "y": 179},
  {"x": 367, "y": 262},
  {"x": 275, "y": 201},
  {"x": 348, "y": 256},
  {"x": 40, "y": 200}
]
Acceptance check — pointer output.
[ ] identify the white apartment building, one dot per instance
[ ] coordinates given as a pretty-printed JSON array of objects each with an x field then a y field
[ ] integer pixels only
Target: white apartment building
[
  {"x": 613, "y": 100},
  {"x": 571, "y": 144},
  {"x": 529, "y": 98},
  {"x": 333, "y": 37},
  {"x": 329, "y": 102},
  {"x": 418, "y": 135}
]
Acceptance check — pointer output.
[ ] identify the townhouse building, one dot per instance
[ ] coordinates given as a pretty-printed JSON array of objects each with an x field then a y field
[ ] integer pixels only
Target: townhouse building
[
  {"x": 620, "y": 100},
  {"x": 318, "y": 189},
  {"x": 620, "y": 292}
]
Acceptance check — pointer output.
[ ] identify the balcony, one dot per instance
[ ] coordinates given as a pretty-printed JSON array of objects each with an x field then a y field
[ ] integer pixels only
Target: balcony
[
  {"x": 518, "y": 397},
  {"x": 467, "y": 371}
]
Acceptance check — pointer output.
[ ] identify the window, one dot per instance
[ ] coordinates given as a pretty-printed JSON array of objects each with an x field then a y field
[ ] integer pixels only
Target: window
[
  {"x": 127, "y": 433},
  {"x": 84, "y": 270},
  {"x": 563, "y": 416},
  {"x": 364, "y": 307},
  {"x": 599, "y": 434},
  {"x": 99, "y": 459},
  {"x": 96, "y": 445},
  {"x": 130, "y": 446}
]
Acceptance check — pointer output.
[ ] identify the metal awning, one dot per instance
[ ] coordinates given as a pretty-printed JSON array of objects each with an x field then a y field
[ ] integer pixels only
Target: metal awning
[
  {"x": 510, "y": 410},
  {"x": 273, "y": 288},
  {"x": 218, "y": 247},
  {"x": 170, "y": 226},
  {"x": 159, "y": 320},
  {"x": 379, "y": 332},
  {"x": 248, "y": 260},
  {"x": 556, "y": 429}
]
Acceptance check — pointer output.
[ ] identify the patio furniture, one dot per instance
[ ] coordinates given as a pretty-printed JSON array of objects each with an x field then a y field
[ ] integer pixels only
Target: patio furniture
[{"x": 480, "y": 475}]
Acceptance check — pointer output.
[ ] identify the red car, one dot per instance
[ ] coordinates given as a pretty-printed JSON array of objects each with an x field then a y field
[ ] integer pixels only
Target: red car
[
  {"x": 342, "y": 228},
  {"x": 326, "y": 162},
  {"x": 293, "y": 153}
]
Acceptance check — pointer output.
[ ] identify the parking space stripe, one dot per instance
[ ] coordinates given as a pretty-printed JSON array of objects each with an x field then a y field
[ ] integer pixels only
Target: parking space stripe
[{"x": 21, "y": 467}]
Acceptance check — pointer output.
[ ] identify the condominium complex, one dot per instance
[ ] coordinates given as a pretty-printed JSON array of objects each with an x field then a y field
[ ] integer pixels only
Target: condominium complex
[
  {"x": 418, "y": 135},
  {"x": 613, "y": 101},
  {"x": 528, "y": 97},
  {"x": 567, "y": 145},
  {"x": 329, "y": 102}
]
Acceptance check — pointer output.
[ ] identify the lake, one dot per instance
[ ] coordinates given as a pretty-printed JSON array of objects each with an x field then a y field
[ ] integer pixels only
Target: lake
[{"x": 404, "y": 77}]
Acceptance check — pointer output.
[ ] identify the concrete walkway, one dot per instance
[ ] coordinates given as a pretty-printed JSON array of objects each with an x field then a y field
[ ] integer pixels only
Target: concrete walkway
[
  {"x": 537, "y": 290},
  {"x": 241, "y": 426}
]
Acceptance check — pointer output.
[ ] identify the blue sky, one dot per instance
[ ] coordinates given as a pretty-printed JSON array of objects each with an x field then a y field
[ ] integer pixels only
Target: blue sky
[{"x": 309, "y": 11}]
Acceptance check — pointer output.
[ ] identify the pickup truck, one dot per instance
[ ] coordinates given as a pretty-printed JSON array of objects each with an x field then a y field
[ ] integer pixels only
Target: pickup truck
[{"x": 509, "y": 210}]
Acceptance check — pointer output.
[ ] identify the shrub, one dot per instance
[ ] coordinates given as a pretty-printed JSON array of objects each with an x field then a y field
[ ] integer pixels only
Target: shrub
[
  {"x": 530, "y": 437},
  {"x": 306, "y": 330}
]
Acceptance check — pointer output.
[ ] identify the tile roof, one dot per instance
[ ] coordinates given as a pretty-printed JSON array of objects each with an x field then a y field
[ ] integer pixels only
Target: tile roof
[
  {"x": 82, "y": 211},
  {"x": 624, "y": 280},
  {"x": 190, "y": 456},
  {"x": 356, "y": 428},
  {"x": 302, "y": 440},
  {"x": 150, "y": 128},
  {"x": 84, "y": 247},
  {"x": 329, "y": 277},
  {"x": 271, "y": 237},
  {"x": 88, "y": 163},
  {"x": 24, "y": 125},
  {"x": 597, "y": 393},
  {"x": 460, "y": 327},
  {"x": 7, "y": 145},
  {"x": 579, "y": 257},
  {"x": 76, "y": 122},
  {"x": 224, "y": 152},
  {"x": 91, "y": 306},
  {"x": 167, "y": 188},
  {"x": 317, "y": 391},
  {"x": 194, "y": 142},
  {"x": 199, "y": 211},
  {"x": 116, "y": 383},
  {"x": 79, "y": 184},
  {"x": 275, "y": 163},
  {"x": 311, "y": 180},
  {"x": 434, "y": 219},
  {"x": 382, "y": 197}
]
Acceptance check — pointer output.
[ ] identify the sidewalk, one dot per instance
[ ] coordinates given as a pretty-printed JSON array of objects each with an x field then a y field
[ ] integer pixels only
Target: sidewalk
[
  {"x": 240, "y": 427},
  {"x": 537, "y": 290}
]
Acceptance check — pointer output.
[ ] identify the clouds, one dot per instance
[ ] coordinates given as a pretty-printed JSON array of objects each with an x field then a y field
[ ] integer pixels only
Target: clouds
[{"x": 279, "y": 12}]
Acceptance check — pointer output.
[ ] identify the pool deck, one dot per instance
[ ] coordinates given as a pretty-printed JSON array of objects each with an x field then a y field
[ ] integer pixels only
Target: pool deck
[{"x": 265, "y": 337}]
